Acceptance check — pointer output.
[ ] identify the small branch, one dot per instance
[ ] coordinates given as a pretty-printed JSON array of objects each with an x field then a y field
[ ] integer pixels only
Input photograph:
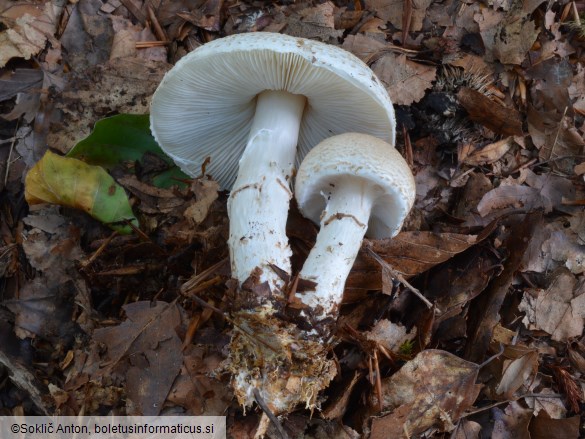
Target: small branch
[
  {"x": 99, "y": 251},
  {"x": 149, "y": 44},
  {"x": 156, "y": 27},
  {"x": 269, "y": 414},
  {"x": 493, "y": 357},
  {"x": 189, "y": 285},
  {"x": 558, "y": 133},
  {"x": 10, "y": 152},
  {"x": 399, "y": 276}
]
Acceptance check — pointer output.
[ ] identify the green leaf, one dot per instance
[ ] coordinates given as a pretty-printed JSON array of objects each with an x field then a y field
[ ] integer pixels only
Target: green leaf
[
  {"x": 70, "y": 182},
  {"x": 125, "y": 138}
]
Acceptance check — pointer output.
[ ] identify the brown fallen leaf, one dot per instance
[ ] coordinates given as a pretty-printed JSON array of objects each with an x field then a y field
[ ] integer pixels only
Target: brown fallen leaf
[
  {"x": 314, "y": 23},
  {"x": 362, "y": 46},
  {"x": 409, "y": 253},
  {"x": 432, "y": 390},
  {"x": 476, "y": 187},
  {"x": 559, "y": 310},
  {"x": 126, "y": 35},
  {"x": 148, "y": 343},
  {"x": 392, "y": 10},
  {"x": 488, "y": 20},
  {"x": 45, "y": 304},
  {"x": 555, "y": 135},
  {"x": 514, "y": 36},
  {"x": 153, "y": 200},
  {"x": 577, "y": 90},
  {"x": 87, "y": 37},
  {"x": 451, "y": 288},
  {"x": 195, "y": 388},
  {"x": 405, "y": 80}
]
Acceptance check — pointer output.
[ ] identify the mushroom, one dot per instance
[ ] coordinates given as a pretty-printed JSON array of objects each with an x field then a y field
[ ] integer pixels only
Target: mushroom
[
  {"x": 352, "y": 185},
  {"x": 252, "y": 98}
]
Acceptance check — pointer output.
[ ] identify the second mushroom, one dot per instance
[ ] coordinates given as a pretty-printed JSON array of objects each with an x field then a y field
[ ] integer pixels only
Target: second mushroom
[{"x": 352, "y": 185}]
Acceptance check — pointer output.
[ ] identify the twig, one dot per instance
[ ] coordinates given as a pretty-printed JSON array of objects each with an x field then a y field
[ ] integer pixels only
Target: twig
[
  {"x": 156, "y": 27},
  {"x": 216, "y": 280},
  {"x": 198, "y": 278},
  {"x": 99, "y": 251},
  {"x": 526, "y": 395},
  {"x": 408, "y": 148},
  {"x": 365, "y": 17},
  {"x": 558, "y": 133},
  {"x": 493, "y": 357},
  {"x": 10, "y": 152},
  {"x": 378, "y": 380},
  {"x": 567, "y": 202},
  {"x": 149, "y": 44},
  {"x": 399, "y": 276},
  {"x": 269, "y": 414}
]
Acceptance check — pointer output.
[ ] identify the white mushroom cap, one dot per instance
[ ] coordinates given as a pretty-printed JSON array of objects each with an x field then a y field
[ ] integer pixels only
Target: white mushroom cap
[
  {"x": 365, "y": 159},
  {"x": 205, "y": 105}
]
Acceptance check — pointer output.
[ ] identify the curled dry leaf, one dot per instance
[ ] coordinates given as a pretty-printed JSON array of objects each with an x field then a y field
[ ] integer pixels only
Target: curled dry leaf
[
  {"x": 205, "y": 194},
  {"x": 517, "y": 372},
  {"x": 432, "y": 390},
  {"x": 512, "y": 198},
  {"x": 493, "y": 152}
]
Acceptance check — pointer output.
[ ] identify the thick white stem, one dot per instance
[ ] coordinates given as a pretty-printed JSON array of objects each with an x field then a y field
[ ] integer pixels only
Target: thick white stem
[
  {"x": 343, "y": 225},
  {"x": 259, "y": 201}
]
